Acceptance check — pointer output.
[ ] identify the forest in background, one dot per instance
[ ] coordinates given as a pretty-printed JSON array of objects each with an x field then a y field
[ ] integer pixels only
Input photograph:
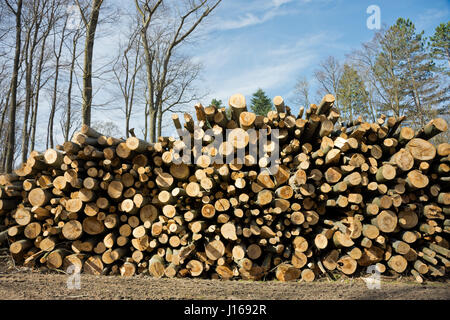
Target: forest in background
[{"x": 46, "y": 59}]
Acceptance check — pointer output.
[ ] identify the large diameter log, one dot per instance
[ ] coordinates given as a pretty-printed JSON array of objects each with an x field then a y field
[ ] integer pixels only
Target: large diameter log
[
  {"x": 137, "y": 144},
  {"x": 385, "y": 173},
  {"x": 115, "y": 189},
  {"x": 32, "y": 230},
  {"x": 39, "y": 197},
  {"x": 416, "y": 180},
  {"x": 403, "y": 159},
  {"x": 55, "y": 258},
  {"x": 421, "y": 150},
  {"x": 92, "y": 226},
  {"x": 398, "y": 263},
  {"x": 386, "y": 221},
  {"x": 347, "y": 265},
  {"x": 326, "y": 104},
  {"x": 286, "y": 272},
  {"x": 214, "y": 249},
  {"x": 93, "y": 265},
  {"x": 195, "y": 267},
  {"x": 53, "y": 157},
  {"x": 156, "y": 266},
  {"x": 72, "y": 230}
]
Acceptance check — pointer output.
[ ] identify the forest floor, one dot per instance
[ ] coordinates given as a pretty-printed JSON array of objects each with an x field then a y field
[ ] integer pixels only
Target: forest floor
[{"x": 24, "y": 283}]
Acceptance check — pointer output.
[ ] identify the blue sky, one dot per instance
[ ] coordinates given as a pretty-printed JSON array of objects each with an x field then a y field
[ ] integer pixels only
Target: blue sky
[
  {"x": 249, "y": 44},
  {"x": 271, "y": 43}
]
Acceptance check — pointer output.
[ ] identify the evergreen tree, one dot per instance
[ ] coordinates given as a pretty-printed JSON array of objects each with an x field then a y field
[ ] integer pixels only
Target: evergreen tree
[
  {"x": 406, "y": 73},
  {"x": 353, "y": 95},
  {"x": 440, "y": 43},
  {"x": 418, "y": 72},
  {"x": 217, "y": 103},
  {"x": 260, "y": 103}
]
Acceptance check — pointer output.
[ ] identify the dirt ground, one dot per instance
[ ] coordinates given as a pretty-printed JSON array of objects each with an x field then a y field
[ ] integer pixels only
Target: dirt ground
[{"x": 21, "y": 283}]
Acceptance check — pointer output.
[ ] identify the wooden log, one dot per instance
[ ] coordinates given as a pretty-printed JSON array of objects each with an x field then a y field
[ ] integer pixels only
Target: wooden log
[
  {"x": 39, "y": 197},
  {"x": 72, "y": 230},
  {"x": 237, "y": 105},
  {"x": 421, "y": 150},
  {"x": 432, "y": 128},
  {"x": 397, "y": 263},
  {"x": 286, "y": 272},
  {"x": 214, "y": 249},
  {"x": 93, "y": 265}
]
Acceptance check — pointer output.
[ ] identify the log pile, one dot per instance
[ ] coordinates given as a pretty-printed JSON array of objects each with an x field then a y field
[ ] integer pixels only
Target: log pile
[{"x": 341, "y": 196}]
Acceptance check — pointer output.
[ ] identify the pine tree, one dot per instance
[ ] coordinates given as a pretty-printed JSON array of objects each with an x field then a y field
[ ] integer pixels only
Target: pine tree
[
  {"x": 260, "y": 103},
  {"x": 406, "y": 73},
  {"x": 353, "y": 95},
  {"x": 440, "y": 43},
  {"x": 418, "y": 72},
  {"x": 217, "y": 103}
]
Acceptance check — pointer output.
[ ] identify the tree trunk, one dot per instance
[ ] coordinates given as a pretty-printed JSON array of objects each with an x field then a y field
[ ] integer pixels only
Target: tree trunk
[
  {"x": 87, "y": 70},
  {"x": 13, "y": 107},
  {"x": 55, "y": 90}
]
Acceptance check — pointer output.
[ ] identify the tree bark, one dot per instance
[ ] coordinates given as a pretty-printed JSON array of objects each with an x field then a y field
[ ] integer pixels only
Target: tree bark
[
  {"x": 87, "y": 69},
  {"x": 13, "y": 107}
]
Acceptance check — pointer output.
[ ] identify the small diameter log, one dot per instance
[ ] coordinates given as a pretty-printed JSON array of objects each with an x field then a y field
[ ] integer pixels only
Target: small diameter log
[
  {"x": 237, "y": 105},
  {"x": 432, "y": 128},
  {"x": 20, "y": 246}
]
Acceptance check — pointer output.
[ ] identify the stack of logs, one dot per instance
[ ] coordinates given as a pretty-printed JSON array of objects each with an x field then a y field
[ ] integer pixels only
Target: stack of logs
[{"x": 345, "y": 196}]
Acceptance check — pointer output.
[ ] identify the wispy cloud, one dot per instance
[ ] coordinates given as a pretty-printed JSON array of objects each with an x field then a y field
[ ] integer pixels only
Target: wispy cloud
[
  {"x": 430, "y": 16},
  {"x": 257, "y": 13}
]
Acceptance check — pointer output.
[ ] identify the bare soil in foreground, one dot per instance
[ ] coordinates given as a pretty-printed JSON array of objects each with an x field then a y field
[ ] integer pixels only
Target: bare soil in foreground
[{"x": 22, "y": 283}]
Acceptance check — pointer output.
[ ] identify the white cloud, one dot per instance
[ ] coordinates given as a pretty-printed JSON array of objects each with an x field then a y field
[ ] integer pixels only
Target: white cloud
[
  {"x": 431, "y": 17},
  {"x": 253, "y": 16},
  {"x": 278, "y": 3}
]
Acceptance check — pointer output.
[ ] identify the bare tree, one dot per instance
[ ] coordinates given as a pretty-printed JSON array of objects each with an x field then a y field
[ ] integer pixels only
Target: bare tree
[
  {"x": 13, "y": 106},
  {"x": 302, "y": 94},
  {"x": 107, "y": 128},
  {"x": 57, "y": 50},
  {"x": 328, "y": 77},
  {"x": 69, "y": 120},
  {"x": 126, "y": 69},
  {"x": 90, "y": 23},
  {"x": 40, "y": 82},
  {"x": 175, "y": 34}
]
